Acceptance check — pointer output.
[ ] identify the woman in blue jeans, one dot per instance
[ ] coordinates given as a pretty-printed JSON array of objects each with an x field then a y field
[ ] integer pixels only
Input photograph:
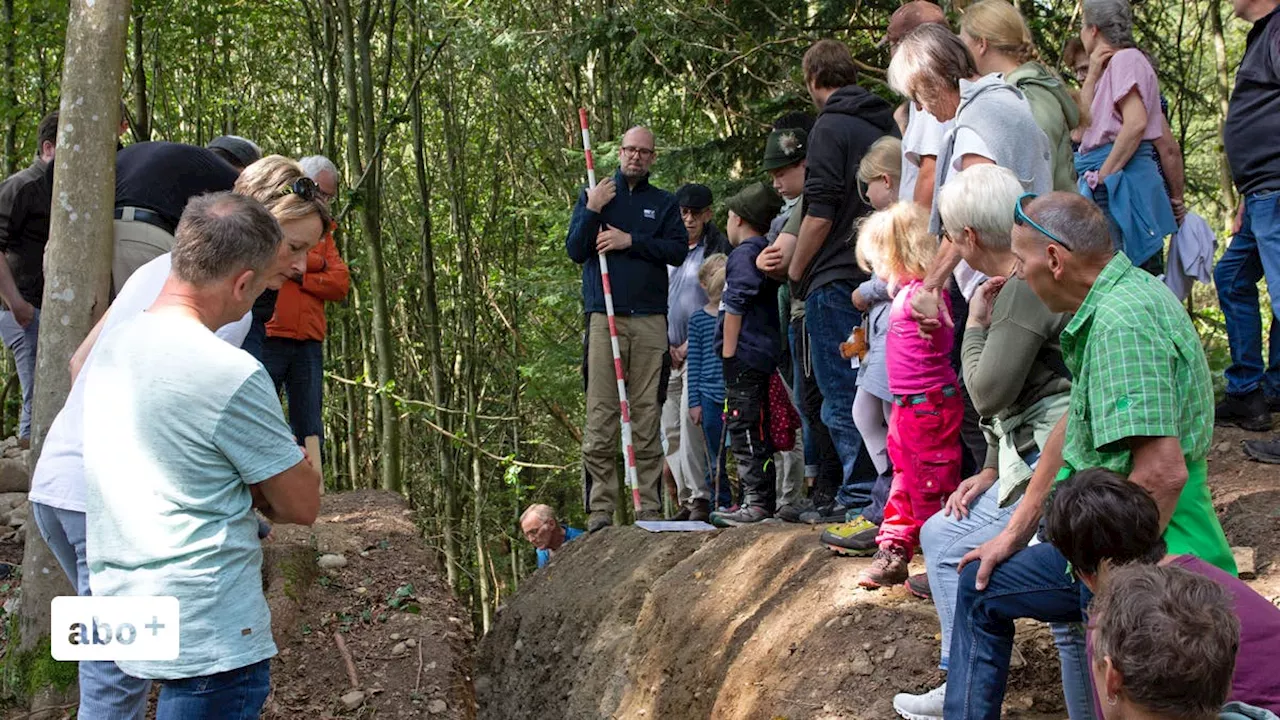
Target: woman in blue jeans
[{"x": 1019, "y": 385}]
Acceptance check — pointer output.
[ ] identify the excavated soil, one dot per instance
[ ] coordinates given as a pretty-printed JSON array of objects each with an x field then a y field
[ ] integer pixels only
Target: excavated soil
[{"x": 763, "y": 622}]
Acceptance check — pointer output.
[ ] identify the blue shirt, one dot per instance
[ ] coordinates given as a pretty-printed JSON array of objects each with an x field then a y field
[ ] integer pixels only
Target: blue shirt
[
  {"x": 178, "y": 425},
  {"x": 704, "y": 372},
  {"x": 753, "y": 295},
  {"x": 544, "y": 555},
  {"x": 685, "y": 295}
]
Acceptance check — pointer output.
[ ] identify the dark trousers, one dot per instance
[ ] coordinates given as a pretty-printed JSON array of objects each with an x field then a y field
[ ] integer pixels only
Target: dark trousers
[
  {"x": 971, "y": 436},
  {"x": 297, "y": 369},
  {"x": 809, "y": 399},
  {"x": 255, "y": 339},
  {"x": 746, "y": 391}
]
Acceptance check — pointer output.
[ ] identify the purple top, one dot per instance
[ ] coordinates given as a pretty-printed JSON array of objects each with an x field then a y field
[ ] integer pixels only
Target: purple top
[
  {"x": 1128, "y": 70},
  {"x": 1257, "y": 678},
  {"x": 916, "y": 364}
]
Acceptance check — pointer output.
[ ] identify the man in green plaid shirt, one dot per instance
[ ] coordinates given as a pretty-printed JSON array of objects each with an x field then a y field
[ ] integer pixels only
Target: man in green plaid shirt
[{"x": 1141, "y": 405}]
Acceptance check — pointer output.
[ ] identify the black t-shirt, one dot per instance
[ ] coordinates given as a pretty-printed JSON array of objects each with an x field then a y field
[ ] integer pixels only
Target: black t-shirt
[
  {"x": 25, "y": 198},
  {"x": 1253, "y": 118},
  {"x": 163, "y": 176}
]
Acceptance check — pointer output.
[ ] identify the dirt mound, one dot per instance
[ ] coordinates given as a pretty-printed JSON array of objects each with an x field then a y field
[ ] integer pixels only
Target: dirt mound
[{"x": 764, "y": 622}]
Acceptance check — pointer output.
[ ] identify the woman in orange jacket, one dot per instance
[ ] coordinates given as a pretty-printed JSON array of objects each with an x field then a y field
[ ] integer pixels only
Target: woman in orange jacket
[{"x": 293, "y": 352}]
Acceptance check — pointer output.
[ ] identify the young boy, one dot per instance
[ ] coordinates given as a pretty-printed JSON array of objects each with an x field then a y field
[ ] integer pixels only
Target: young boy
[{"x": 749, "y": 341}]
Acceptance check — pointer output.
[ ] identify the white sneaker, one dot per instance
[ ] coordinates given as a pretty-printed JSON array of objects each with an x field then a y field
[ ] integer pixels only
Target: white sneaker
[{"x": 921, "y": 707}]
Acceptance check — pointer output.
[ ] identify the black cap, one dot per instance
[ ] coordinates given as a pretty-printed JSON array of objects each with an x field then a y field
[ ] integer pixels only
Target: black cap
[
  {"x": 244, "y": 151},
  {"x": 694, "y": 196}
]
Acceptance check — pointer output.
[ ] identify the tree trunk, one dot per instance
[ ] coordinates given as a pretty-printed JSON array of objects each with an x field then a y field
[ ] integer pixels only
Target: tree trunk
[
  {"x": 141, "y": 124},
  {"x": 77, "y": 264},
  {"x": 10, "y": 92},
  {"x": 1222, "y": 86}
]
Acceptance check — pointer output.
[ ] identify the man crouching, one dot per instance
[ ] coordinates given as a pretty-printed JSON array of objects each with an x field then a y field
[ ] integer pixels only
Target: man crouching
[{"x": 184, "y": 435}]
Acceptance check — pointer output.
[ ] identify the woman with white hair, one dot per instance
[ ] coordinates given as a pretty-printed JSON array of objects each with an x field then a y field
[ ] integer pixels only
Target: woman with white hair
[
  {"x": 1014, "y": 373},
  {"x": 1116, "y": 161}
]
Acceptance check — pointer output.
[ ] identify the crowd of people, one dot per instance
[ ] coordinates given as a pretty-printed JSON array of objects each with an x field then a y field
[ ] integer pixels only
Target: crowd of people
[{"x": 969, "y": 302}]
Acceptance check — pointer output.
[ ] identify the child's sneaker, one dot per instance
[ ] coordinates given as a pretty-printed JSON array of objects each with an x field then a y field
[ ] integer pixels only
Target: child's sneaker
[
  {"x": 889, "y": 568},
  {"x": 856, "y": 538},
  {"x": 918, "y": 585}
]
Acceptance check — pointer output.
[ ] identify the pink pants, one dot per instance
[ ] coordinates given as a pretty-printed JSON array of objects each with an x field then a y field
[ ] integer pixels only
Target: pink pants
[{"x": 924, "y": 446}]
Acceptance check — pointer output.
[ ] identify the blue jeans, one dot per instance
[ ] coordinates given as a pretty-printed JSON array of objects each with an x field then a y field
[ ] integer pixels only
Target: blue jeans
[
  {"x": 1034, "y": 583},
  {"x": 22, "y": 343},
  {"x": 233, "y": 695},
  {"x": 797, "y": 392},
  {"x": 105, "y": 690},
  {"x": 255, "y": 338},
  {"x": 712, "y": 428},
  {"x": 829, "y": 318},
  {"x": 297, "y": 368},
  {"x": 1254, "y": 253}
]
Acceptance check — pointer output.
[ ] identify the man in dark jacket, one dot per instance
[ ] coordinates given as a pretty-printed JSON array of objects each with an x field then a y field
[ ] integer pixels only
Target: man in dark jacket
[
  {"x": 823, "y": 266},
  {"x": 25, "y": 198},
  {"x": 639, "y": 226}
]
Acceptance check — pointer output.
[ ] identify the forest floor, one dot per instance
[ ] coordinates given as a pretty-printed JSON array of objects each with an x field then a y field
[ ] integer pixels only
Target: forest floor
[{"x": 764, "y": 622}]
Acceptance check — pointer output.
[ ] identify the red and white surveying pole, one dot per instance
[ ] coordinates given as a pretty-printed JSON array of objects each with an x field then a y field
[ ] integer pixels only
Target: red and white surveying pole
[{"x": 628, "y": 448}]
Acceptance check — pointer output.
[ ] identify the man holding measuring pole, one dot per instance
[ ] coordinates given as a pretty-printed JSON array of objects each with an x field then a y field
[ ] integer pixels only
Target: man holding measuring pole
[{"x": 639, "y": 227}]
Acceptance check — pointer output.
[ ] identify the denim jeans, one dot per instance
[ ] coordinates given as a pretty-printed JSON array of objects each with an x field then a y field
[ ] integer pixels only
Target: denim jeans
[
  {"x": 22, "y": 343},
  {"x": 829, "y": 317},
  {"x": 233, "y": 695},
  {"x": 105, "y": 690},
  {"x": 1034, "y": 583},
  {"x": 1254, "y": 253},
  {"x": 820, "y": 451},
  {"x": 713, "y": 429},
  {"x": 297, "y": 368},
  {"x": 254, "y": 339}
]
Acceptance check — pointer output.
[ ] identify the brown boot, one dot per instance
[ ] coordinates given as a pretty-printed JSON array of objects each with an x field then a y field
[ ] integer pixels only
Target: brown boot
[
  {"x": 701, "y": 511},
  {"x": 684, "y": 514},
  {"x": 888, "y": 568}
]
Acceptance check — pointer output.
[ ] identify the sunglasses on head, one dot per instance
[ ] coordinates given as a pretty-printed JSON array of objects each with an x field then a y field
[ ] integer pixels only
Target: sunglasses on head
[
  {"x": 1020, "y": 218},
  {"x": 304, "y": 187}
]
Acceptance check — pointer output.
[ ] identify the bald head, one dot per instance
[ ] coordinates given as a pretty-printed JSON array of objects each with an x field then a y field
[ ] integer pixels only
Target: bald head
[
  {"x": 1074, "y": 219},
  {"x": 636, "y": 153}
]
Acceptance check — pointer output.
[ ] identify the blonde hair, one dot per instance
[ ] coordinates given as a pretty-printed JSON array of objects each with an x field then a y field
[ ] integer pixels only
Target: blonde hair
[
  {"x": 269, "y": 181},
  {"x": 711, "y": 276},
  {"x": 884, "y": 157},
  {"x": 1002, "y": 26},
  {"x": 898, "y": 239}
]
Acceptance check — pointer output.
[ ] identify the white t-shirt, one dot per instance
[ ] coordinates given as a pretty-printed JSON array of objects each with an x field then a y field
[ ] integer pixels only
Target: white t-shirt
[
  {"x": 58, "y": 480},
  {"x": 923, "y": 138},
  {"x": 967, "y": 143}
]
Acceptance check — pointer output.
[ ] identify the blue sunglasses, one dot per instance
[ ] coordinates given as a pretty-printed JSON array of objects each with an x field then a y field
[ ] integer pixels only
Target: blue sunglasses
[{"x": 1020, "y": 218}]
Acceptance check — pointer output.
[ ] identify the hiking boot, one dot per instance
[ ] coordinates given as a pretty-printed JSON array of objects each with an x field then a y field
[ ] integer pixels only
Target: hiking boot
[
  {"x": 888, "y": 569},
  {"x": 684, "y": 514},
  {"x": 918, "y": 585},
  {"x": 927, "y": 706},
  {"x": 746, "y": 516},
  {"x": 857, "y": 538},
  {"x": 701, "y": 511},
  {"x": 1263, "y": 451},
  {"x": 1247, "y": 412},
  {"x": 832, "y": 512},
  {"x": 599, "y": 520},
  {"x": 648, "y": 516},
  {"x": 792, "y": 512}
]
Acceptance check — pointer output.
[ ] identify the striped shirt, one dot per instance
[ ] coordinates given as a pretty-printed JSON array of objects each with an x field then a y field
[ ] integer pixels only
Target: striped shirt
[{"x": 704, "y": 370}]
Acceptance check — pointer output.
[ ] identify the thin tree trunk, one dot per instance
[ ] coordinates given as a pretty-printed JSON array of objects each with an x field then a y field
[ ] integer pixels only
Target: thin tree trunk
[
  {"x": 141, "y": 124},
  {"x": 10, "y": 91},
  {"x": 77, "y": 275},
  {"x": 1222, "y": 86}
]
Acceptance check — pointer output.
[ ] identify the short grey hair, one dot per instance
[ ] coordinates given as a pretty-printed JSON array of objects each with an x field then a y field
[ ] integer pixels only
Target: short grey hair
[
  {"x": 313, "y": 165},
  {"x": 542, "y": 512},
  {"x": 981, "y": 198},
  {"x": 1113, "y": 18},
  {"x": 1075, "y": 219},
  {"x": 930, "y": 55},
  {"x": 1171, "y": 634},
  {"x": 224, "y": 234}
]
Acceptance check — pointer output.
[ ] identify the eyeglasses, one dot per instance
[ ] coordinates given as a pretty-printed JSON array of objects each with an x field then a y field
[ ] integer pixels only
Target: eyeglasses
[
  {"x": 641, "y": 151},
  {"x": 1020, "y": 218},
  {"x": 304, "y": 187}
]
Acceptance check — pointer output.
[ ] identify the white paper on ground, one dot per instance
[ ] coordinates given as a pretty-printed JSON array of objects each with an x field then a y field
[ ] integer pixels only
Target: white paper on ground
[{"x": 674, "y": 526}]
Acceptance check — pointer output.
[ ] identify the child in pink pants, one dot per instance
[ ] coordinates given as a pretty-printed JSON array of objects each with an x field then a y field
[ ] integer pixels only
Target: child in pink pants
[{"x": 924, "y": 429}]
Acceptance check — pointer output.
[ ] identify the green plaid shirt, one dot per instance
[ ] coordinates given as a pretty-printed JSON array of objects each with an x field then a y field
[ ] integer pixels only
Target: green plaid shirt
[{"x": 1139, "y": 371}]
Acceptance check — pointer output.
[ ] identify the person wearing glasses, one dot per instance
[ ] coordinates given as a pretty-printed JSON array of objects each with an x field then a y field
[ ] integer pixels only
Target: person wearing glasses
[
  {"x": 1141, "y": 405},
  {"x": 293, "y": 350},
  {"x": 543, "y": 531},
  {"x": 639, "y": 226}
]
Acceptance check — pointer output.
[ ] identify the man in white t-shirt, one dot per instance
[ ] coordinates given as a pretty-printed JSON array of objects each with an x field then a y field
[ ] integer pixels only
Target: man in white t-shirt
[{"x": 57, "y": 484}]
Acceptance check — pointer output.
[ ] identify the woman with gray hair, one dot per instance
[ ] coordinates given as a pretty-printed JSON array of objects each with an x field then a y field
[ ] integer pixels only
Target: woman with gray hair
[
  {"x": 1015, "y": 375},
  {"x": 1116, "y": 162}
]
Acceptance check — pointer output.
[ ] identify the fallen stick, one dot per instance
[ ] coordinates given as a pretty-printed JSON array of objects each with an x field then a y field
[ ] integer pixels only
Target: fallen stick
[
  {"x": 418, "y": 681},
  {"x": 346, "y": 660}
]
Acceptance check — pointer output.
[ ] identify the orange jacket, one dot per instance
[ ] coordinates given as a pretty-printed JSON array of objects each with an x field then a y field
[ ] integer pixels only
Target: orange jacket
[{"x": 300, "y": 307}]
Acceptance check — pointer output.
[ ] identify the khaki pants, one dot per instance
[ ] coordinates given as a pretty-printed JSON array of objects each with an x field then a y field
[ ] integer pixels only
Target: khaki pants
[
  {"x": 136, "y": 244},
  {"x": 642, "y": 341},
  {"x": 686, "y": 446}
]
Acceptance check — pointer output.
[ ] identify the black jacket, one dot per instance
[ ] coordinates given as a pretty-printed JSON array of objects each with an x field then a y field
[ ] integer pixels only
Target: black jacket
[
  {"x": 850, "y": 122},
  {"x": 25, "y": 198},
  {"x": 637, "y": 275}
]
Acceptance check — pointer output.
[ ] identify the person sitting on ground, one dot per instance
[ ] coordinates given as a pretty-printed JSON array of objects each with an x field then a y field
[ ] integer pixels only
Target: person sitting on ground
[
  {"x": 880, "y": 171},
  {"x": 924, "y": 429},
  {"x": 1020, "y": 386},
  {"x": 706, "y": 383},
  {"x": 1165, "y": 647},
  {"x": 1000, "y": 41},
  {"x": 541, "y": 528},
  {"x": 1100, "y": 522},
  {"x": 749, "y": 341},
  {"x": 1141, "y": 403},
  {"x": 183, "y": 437}
]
